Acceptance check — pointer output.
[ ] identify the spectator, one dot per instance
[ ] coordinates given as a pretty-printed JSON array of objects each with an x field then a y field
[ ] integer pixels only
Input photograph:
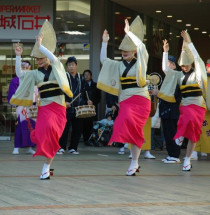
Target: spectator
[
  {"x": 94, "y": 95},
  {"x": 77, "y": 86}
]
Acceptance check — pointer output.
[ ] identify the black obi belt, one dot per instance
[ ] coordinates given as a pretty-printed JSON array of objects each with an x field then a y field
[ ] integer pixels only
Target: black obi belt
[
  {"x": 192, "y": 90},
  {"x": 128, "y": 82},
  {"x": 50, "y": 90}
]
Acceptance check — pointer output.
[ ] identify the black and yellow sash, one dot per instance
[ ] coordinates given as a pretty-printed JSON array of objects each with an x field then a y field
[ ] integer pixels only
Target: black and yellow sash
[
  {"x": 128, "y": 82},
  {"x": 49, "y": 90},
  {"x": 190, "y": 90}
]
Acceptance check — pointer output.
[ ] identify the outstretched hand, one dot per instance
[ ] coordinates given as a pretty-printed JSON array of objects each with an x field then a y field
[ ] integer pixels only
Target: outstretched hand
[
  {"x": 18, "y": 49},
  {"x": 165, "y": 46},
  {"x": 127, "y": 27},
  {"x": 39, "y": 39},
  {"x": 105, "y": 36},
  {"x": 186, "y": 36}
]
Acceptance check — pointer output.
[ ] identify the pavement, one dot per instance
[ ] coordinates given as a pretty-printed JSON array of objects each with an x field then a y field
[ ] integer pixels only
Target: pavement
[{"x": 94, "y": 182}]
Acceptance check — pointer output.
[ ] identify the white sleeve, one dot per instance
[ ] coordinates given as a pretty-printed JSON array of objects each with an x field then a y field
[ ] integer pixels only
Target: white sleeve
[
  {"x": 165, "y": 62},
  {"x": 193, "y": 50},
  {"x": 135, "y": 39},
  {"x": 19, "y": 72},
  {"x": 165, "y": 67},
  {"x": 103, "y": 53},
  {"x": 46, "y": 52}
]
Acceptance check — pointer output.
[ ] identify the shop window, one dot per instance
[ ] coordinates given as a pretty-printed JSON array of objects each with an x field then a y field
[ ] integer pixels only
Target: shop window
[
  {"x": 72, "y": 26},
  {"x": 7, "y": 112}
]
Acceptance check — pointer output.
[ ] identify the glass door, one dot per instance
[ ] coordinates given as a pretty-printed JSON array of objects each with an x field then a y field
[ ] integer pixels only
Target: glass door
[
  {"x": 8, "y": 118},
  {"x": 7, "y": 72}
]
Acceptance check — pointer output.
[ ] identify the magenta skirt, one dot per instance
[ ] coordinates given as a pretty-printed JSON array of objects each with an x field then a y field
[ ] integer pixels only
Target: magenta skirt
[
  {"x": 190, "y": 122},
  {"x": 50, "y": 123},
  {"x": 132, "y": 116}
]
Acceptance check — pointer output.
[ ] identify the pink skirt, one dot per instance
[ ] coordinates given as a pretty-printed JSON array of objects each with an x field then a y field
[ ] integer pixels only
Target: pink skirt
[
  {"x": 50, "y": 123},
  {"x": 132, "y": 116},
  {"x": 190, "y": 122}
]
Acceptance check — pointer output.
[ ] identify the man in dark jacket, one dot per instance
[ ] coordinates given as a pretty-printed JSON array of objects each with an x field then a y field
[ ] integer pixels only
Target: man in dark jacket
[{"x": 77, "y": 86}]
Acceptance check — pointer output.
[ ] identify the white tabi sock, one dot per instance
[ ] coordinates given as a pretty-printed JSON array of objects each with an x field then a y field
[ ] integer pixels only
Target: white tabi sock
[
  {"x": 186, "y": 161},
  {"x": 46, "y": 168},
  {"x": 134, "y": 164}
]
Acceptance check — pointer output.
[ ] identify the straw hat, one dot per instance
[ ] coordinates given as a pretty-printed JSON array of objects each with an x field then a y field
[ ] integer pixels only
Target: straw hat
[
  {"x": 49, "y": 40},
  {"x": 136, "y": 28},
  {"x": 186, "y": 58}
]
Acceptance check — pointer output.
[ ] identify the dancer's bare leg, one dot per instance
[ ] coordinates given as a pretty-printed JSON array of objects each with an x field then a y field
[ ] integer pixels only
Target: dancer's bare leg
[
  {"x": 49, "y": 160},
  {"x": 190, "y": 148}
]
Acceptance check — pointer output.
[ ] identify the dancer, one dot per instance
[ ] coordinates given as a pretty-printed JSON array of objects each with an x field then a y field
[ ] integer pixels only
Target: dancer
[
  {"x": 203, "y": 145},
  {"x": 22, "y": 135},
  {"x": 52, "y": 82},
  {"x": 193, "y": 86},
  {"x": 169, "y": 114},
  {"x": 127, "y": 79}
]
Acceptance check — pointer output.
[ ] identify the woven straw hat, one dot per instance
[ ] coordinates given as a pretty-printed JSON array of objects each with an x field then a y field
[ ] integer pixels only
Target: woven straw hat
[
  {"x": 186, "y": 58},
  {"x": 49, "y": 40},
  {"x": 136, "y": 28}
]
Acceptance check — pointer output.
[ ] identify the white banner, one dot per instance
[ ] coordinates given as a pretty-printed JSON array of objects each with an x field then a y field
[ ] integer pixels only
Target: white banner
[{"x": 23, "y": 19}]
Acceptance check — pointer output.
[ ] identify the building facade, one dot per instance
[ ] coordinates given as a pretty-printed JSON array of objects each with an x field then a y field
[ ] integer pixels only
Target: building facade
[{"x": 79, "y": 25}]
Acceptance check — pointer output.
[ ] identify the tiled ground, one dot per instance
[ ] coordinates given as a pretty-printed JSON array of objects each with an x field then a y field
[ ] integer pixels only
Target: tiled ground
[{"x": 94, "y": 182}]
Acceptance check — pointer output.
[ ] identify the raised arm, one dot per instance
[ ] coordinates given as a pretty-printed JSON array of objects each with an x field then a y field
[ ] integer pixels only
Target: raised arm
[
  {"x": 187, "y": 39},
  {"x": 200, "y": 69},
  {"x": 134, "y": 38},
  {"x": 141, "y": 48},
  {"x": 165, "y": 67},
  {"x": 103, "y": 54},
  {"x": 44, "y": 50},
  {"x": 142, "y": 56},
  {"x": 18, "y": 51}
]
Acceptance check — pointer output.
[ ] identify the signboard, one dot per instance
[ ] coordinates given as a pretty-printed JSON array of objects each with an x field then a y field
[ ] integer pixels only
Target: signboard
[
  {"x": 86, "y": 47},
  {"x": 23, "y": 19}
]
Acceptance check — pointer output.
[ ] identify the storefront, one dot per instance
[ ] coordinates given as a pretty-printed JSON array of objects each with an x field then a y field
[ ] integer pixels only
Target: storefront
[
  {"x": 73, "y": 20},
  {"x": 20, "y": 21}
]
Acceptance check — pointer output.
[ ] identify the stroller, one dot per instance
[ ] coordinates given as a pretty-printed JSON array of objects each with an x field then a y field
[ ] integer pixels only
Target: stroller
[{"x": 102, "y": 130}]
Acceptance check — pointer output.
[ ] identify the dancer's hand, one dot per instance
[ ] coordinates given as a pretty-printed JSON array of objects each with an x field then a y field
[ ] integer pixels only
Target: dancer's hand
[
  {"x": 186, "y": 36},
  {"x": 165, "y": 46},
  {"x": 105, "y": 36},
  {"x": 39, "y": 40},
  {"x": 18, "y": 49},
  {"x": 127, "y": 27}
]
